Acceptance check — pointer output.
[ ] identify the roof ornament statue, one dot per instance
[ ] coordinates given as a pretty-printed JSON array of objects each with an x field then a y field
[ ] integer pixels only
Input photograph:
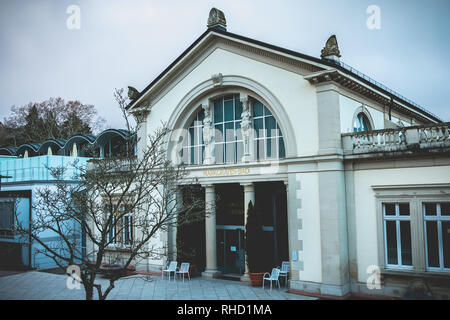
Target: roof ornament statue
[
  {"x": 132, "y": 93},
  {"x": 217, "y": 20},
  {"x": 331, "y": 49}
]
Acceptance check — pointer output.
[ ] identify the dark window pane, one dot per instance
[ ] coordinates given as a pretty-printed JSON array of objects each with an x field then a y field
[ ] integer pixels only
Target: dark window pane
[
  {"x": 389, "y": 209},
  {"x": 201, "y": 115},
  {"x": 191, "y": 136},
  {"x": 282, "y": 153},
  {"x": 218, "y": 110},
  {"x": 202, "y": 141},
  {"x": 219, "y": 153},
  {"x": 405, "y": 234},
  {"x": 229, "y": 110},
  {"x": 6, "y": 215},
  {"x": 430, "y": 209},
  {"x": 267, "y": 112},
  {"x": 238, "y": 109},
  {"x": 445, "y": 209},
  {"x": 391, "y": 237},
  {"x": 446, "y": 243},
  {"x": 257, "y": 108},
  {"x": 269, "y": 148},
  {"x": 432, "y": 244},
  {"x": 258, "y": 125},
  {"x": 229, "y": 131},
  {"x": 270, "y": 125},
  {"x": 218, "y": 134},
  {"x": 192, "y": 156},
  {"x": 404, "y": 209}
]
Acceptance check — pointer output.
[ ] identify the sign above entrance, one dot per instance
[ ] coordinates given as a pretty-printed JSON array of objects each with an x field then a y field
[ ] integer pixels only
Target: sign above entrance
[{"x": 226, "y": 172}]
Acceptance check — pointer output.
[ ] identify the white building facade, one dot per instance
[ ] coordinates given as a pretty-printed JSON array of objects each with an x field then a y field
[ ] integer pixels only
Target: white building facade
[{"x": 352, "y": 178}]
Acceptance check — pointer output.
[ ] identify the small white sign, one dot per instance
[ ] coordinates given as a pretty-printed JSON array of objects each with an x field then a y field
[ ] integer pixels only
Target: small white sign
[{"x": 294, "y": 255}]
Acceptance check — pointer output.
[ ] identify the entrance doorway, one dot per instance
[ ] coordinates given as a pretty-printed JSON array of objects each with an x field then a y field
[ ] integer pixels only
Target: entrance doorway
[
  {"x": 230, "y": 251},
  {"x": 230, "y": 228},
  {"x": 271, "y": 201}
]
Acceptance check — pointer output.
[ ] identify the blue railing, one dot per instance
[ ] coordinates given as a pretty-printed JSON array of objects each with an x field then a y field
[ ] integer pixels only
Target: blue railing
[{"x": 37, "y": 168}]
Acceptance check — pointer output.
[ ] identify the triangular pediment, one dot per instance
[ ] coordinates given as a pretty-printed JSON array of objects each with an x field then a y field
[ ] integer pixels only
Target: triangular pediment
[{"x": 210, "y": 41}]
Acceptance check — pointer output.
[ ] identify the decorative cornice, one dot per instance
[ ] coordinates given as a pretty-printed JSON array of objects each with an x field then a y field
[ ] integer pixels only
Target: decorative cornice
[{"x": 348, "y": 82}]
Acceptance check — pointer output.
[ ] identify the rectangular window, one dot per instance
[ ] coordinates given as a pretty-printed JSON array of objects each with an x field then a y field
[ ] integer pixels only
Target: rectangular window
[
  {"x": 111, "y": 236},
  {"x": 397, "y": 235},
  {"x": 6, "y": 219},
  {"x": 128, "y": 230},
  {"x": 437, "y": 235}
]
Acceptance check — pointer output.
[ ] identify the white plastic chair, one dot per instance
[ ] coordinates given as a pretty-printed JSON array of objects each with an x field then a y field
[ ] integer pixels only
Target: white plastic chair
[
  {"x": 184, "y": 269},
  {"x": 284, "y": 271},
  {"x": 272, "y": 277},
  {"x": 172, "y": 268}
]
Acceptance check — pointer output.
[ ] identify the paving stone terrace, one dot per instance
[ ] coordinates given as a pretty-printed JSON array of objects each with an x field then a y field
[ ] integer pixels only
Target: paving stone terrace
[{"x": 35, "y": 285}]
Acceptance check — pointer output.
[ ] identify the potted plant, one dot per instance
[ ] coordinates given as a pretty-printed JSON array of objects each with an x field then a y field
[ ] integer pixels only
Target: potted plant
[{"x": 256, "y": 259}]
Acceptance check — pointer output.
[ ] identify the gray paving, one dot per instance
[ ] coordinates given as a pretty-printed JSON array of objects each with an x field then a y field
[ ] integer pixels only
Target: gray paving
[{"x": 47, "y": 286}]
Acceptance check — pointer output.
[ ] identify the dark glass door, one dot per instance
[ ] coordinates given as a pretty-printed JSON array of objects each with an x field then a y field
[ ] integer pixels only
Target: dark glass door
[{"x": 230, "y": 252}]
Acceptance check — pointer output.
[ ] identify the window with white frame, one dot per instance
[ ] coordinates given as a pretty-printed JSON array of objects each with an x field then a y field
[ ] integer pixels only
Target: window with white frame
[
  {"x": 397, "y": 235},
  {"x": 194, "y": 145},
  {"x": 127, "y": 226},
  {"x": 227, "y": 129},
  {"x": 111, "y": 236},
  {"x": 268, "y": 142},
  {"x": 437, "y": 235},
  {"x": 361, "y": 123}
]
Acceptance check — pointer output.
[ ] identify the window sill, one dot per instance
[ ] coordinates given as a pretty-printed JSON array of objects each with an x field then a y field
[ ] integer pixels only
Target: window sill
[
  {"x": 413, "y": 273},
  {"x": 118, "y": 248}
]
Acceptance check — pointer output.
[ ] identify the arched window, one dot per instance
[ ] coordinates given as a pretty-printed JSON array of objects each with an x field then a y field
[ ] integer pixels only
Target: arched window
[
  {"x": 362, "y": 123},
  {"x": 267, "y": 139},
  {"x": 193, "y": 145}
]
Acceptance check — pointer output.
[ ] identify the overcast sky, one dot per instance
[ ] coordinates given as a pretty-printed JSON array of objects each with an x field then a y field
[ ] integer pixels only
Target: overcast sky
[{"x": 130, "y": 42}]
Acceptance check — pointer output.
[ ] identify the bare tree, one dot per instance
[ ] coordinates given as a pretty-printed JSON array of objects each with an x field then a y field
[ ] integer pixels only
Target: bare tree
[
  {"x": 51, "y": 119},
  {"x": 128, "y": 201}
]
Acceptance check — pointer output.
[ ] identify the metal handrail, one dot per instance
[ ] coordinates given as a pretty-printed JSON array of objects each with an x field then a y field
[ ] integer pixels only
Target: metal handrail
[{"x": 380, "y": 85}]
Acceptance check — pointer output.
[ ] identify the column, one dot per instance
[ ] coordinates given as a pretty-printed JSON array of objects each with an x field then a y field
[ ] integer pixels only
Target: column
[
  {"x": 249, "y": 195},
  {"x": 210, "y": 233},
  {"x": 172, "y": 231}
]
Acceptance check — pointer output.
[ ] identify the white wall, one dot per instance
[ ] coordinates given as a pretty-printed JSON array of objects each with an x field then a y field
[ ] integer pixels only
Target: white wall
[
  {"x": 307, "y": 192},
  {"x": 365, "y": 204}
]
